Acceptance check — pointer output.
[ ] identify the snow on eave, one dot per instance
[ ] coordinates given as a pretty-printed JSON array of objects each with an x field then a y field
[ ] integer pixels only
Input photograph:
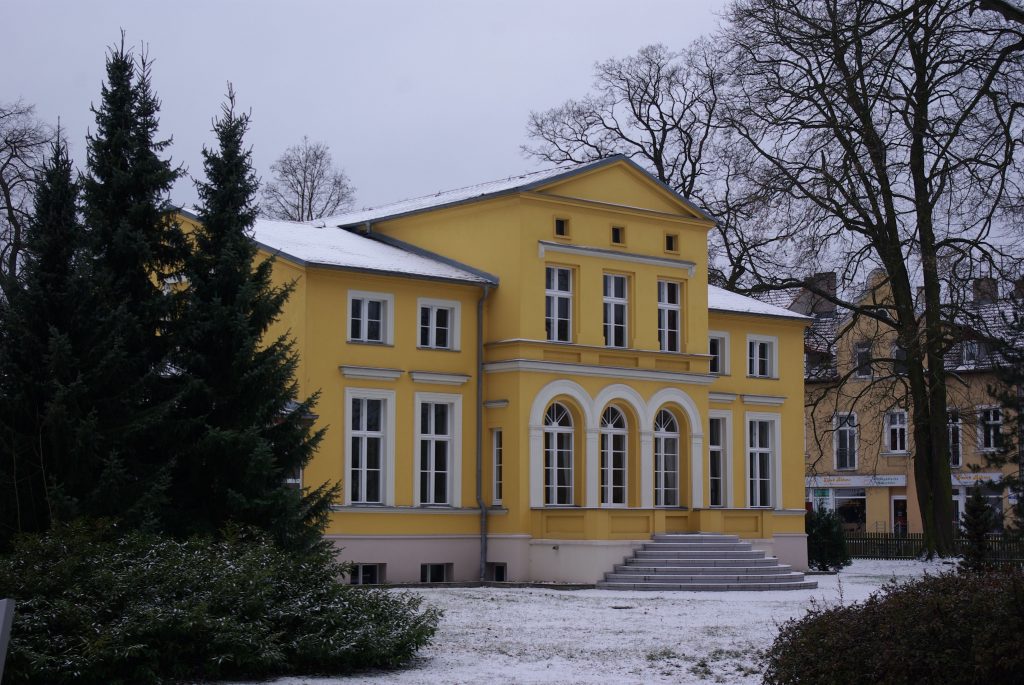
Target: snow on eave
[
  {"x": 720, "y": 300},
  {"x": 337, "y": 248}
]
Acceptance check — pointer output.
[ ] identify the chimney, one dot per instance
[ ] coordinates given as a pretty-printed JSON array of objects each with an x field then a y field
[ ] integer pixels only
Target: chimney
[
  {"x": 986, "y": 290},
  {"x": 825, "y": 282}
]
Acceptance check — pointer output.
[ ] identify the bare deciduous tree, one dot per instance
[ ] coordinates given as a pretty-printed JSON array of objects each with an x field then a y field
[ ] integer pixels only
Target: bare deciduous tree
[
  {"x": 24, "y": 141},
  {"x": 306, "y": 185},
  {"x": 889, "y": 130}
]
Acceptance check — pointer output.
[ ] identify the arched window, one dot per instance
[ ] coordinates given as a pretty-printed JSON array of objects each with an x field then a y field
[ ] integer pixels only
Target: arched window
[
  {"x": 613, "y": 457},
  {"x": 558, "y": 443},
  {"x": 666, "y": 460}
]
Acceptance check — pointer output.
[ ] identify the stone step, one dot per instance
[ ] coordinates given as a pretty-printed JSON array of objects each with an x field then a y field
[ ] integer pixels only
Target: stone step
[
  {"x": 730, "y": 579},
  {"x": 697, "y": 546},
  {"x": 701, "y": 570},
  {"x": 702, "y": 587},
  {"x": 699, "y": 554},
  {"x": 694, "y": 537},
  {"x": 701, "y": 561}
]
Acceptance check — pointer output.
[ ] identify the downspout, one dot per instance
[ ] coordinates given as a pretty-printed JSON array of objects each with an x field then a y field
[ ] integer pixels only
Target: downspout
[{"x": 480, "y": 428}]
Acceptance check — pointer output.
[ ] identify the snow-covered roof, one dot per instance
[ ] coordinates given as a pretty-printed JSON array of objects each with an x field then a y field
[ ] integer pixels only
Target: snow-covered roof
[
  {"x": 336, "y": 247},
  {"x": 725, "y": 301},
  {"x": 513, "y": 184}
]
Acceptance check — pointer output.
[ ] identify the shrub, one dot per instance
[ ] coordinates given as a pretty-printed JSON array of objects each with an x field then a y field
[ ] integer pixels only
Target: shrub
[
  {"x": 94, "y": 607},
  {"x": 826, "y": 546},
  {"x": 946, "y": 629}
]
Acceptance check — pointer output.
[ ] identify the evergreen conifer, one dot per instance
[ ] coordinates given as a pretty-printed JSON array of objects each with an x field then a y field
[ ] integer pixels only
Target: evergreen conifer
[{"x": 977, "y": 522}]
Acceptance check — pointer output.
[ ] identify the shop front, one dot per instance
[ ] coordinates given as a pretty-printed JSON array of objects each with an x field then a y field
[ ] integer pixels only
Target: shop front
[{"x": 863, "y": 503}]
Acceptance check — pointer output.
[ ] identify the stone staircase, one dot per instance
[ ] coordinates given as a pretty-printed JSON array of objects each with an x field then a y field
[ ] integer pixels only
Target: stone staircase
[{"x": 702, "y": 561}]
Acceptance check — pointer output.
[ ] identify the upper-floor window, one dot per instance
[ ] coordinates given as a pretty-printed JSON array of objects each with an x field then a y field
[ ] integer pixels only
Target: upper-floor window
[
  {"x": 718, "y": 348},
  {"x": 671, "y": 242},
  {"x": 558, "y": 303},
  {"x": 896, "y": 431},
  {"x": 561, "y": 228},
  {"x": 899, "y": 360},
  {"x": 498, "y": 466},
  {"x": 615, "y": 303},
  {"x": 953, "y": 427},
  {"x": 990, "y": 425},
  {"x": 370, "y": 317},
  {"x": 618, "y": 235},
  {"x": 668, "y": 316},
  {"x": 762, "y": 356},
  {"x": 438, "y": 324},
  {"x": 862, "y": 360},
  {"x": 845, "y": 441}
]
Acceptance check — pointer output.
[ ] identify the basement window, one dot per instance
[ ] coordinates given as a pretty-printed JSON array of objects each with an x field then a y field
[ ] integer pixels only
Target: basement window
[
  {"x": 436, "y": 573},
  {"x": 496, "y": 571},
  {"x": 367, "y": 574}
]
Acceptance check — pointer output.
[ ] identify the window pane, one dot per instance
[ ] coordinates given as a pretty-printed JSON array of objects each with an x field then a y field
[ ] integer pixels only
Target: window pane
[
  {"x": 373, "y": 453},
  {"x": 356, "y": 453},
  {"x": 373, "y": 415},
  {"x": 373, "y": 331},
  {"x": 563, "y": 279},
  {"x": 440, "y": 419}
]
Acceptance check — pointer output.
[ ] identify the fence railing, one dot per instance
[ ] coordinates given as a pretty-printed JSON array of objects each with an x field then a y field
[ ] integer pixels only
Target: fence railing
[{"x": 909, "y": 546}]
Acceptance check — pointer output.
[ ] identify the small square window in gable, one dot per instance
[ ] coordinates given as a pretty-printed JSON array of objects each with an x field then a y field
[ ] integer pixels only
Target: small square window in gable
[
  {"x": 561, "y": 228},
  {"x": 672, "y": 242},
  {"x": 618, "y": 235}
]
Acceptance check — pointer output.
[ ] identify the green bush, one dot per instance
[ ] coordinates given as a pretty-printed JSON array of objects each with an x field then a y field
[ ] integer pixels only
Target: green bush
[
  {"x": 826, "y": 546},
  {"x": 946, "y": 629},
  {"x": 96, "y": 607}
]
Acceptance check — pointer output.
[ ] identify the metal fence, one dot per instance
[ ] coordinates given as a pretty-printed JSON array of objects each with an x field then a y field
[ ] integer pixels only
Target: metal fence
[{"x": 910, "y": 546}]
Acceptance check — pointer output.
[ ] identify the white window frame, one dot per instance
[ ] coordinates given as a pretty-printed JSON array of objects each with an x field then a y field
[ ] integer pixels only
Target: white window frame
[
  {"x": 551, "y": 298},
  {"x": 665, "y": 309},
  {"x": 983, "y": 425},
  {"x": 497, "y": 465},
  {"x": 954, "y": 426},
  {"x": 612, "y": 496},
  {"x": 549, "y": 456},
  {"x": 889, "y": 426},
  {"x": 454, "y": 446},
  {"x": 721, "y": 450},
  {"x": 837, "y": 431},
  {"x": 454, "y": 308},
  {"x": 858, "y": 348},
  {"x": 774, "y": 460},
  {"x": 661, "y": 453},
  {"x": 727, "y": 454},
  {"x": 771, "y": 359},
  {"x": 388, "y": 451},
  {"x": 610, "y": 304},
  {"x": 387, "y": 323},
  {"x": 723, "y": 364}
]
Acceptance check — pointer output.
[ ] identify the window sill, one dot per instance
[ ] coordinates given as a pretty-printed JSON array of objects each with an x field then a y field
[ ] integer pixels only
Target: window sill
[
  {"x": 763, "y": 378},
  {"x": 437, "y": 349},
  {"x": 375, "y": 343},
  {"x": 903, "y": 453}
]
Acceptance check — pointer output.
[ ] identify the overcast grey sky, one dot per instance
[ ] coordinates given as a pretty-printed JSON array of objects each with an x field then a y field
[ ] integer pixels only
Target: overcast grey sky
[{"x": 412, "y": 97}]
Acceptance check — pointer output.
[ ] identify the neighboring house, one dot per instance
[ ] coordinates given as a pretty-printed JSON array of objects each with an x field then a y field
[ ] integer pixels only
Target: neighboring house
[
  {"x": 524, "y": 366},
  {"x": 859, "y": 424}
]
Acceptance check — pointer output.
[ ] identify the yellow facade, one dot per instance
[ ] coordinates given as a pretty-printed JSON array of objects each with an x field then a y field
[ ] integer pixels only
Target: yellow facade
[{"x": 569, "y": 506}]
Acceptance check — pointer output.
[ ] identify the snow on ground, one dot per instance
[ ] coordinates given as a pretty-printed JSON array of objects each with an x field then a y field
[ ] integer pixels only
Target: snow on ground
[{"x": 532, "y": 635}]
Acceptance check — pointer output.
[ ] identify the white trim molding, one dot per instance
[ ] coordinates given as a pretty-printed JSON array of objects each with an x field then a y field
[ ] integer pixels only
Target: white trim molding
[
  {"x": 495, "y": 404},
  {"x": 439, "y": 378},
  {"x": 569, "y": 369},
  {"x": 374, "y": 373},
  {"x": 767, "y": 400},
  {"x": 544, "y": 246},
  {"x": 722, "y": 397}
]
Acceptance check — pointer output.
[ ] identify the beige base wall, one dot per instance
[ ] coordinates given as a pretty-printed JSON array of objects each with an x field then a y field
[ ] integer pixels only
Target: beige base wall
[
  {"x": 790, "y": 548},
  {"x": 577, "y": 561}
]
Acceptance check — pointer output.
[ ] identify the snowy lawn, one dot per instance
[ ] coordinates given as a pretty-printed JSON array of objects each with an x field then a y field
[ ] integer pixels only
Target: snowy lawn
[{"x": 491, "y": 635}]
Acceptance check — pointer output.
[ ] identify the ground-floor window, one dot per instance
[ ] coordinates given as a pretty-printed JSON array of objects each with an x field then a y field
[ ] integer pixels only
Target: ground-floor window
[
  {"x": 435, "y": 448},
  {"x": 759, "y": 455},
  {"x": 666, "y": 460},
  {"x": 558, "y": 454},
  {"x": 613, "y": 457},
  {"x": 994, "y": 497},
  {"x": 716, "y": 465},
  {"x": 366, "y": 451},
  {"x": 851, "y": 507}
]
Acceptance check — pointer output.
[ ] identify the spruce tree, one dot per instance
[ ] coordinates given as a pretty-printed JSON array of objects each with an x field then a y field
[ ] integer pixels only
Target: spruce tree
[
  {"x": 977, "y": 522},
  {"x": 246, "y": 431},
  {"x": 134, "y": 251}
]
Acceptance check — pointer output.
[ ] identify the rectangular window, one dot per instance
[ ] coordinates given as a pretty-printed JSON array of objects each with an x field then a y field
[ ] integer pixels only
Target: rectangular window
[
  {"x": 618, "y": 235},
  {"x": 845, "y": 426},
  {"x": 671, "y": 242},
  {"x": 953, "y": 427},
  {"x": 293, "y": 479},
  {"x": 366, "y": 454},
  {"x": 896, "y": 431},
  {"x": 435, "y": 448},
  {"x": 439, "y": 324},
  {"x": 615, "y": 302},
  {"x": 436, "y": 573},
  {"x": 562, "y": 228},
  {"x": 862, "y": 360},
  {"x": 370, "y": 317},
  {"x": 899, "y": 360},
  {"x": 669, "y": 309},
  {"x": 496, "y": 450},
  {"x": 761, "y": 357},
  {"x": 718, "y": 348},
  {"x": 990, "y": 425},
  {"x": 367, "y": 574},
  {"x": 759, "y": 461},
  {"x": 716, "y": 445},
  {"x": 558, "y": 303}
]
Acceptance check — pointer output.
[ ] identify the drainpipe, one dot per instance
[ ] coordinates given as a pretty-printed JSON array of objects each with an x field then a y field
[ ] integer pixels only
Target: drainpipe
[{"x": 480, "y": 428}]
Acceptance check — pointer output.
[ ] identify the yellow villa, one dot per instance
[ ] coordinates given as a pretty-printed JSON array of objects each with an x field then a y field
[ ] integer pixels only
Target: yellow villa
[{"x": 526, "y": 380}]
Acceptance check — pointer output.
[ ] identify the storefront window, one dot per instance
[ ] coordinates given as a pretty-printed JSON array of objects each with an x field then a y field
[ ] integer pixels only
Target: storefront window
[{"x": 851, "y": 506}]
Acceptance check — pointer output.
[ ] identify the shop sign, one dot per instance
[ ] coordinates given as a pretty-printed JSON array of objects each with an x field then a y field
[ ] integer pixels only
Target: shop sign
[
  {"x": 970, "y": 478},
  {"x": 876, "y": 481}
]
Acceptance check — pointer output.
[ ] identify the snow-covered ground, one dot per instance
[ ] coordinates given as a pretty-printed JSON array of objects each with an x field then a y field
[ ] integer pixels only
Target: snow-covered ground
[{"x": 531, "y": 635}]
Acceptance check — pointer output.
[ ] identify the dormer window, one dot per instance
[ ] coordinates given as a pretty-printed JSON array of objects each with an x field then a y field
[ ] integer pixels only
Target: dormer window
[{"x": 561, "y": 228}]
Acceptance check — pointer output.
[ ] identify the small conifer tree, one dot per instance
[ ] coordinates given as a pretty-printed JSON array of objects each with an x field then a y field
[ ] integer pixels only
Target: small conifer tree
[
  {"x": 826, "y": 545},
  {"x": 977, "y": 522}
]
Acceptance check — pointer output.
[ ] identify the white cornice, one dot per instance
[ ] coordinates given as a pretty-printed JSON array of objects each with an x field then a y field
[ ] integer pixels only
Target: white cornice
[
  {"x": 548, "y": 246},
  {"x": 769, "y": 400},
  {"x": 566, "y": 369},
  {"x": 722, "y": 397},
  {"x": 439, "y": 378},
  {"x": 496, "y": 404},
  {"x": 370, "y": 372}
]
